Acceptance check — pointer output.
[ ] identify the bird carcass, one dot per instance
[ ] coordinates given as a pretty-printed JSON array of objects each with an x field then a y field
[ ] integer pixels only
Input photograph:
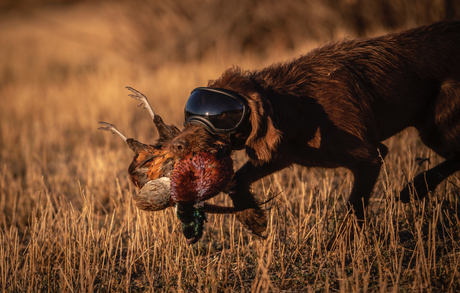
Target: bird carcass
[{"x": 164, "y": 180}]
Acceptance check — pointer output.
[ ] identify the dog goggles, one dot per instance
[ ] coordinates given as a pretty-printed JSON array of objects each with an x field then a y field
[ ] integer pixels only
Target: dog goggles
[{"x": 218, "y": 110}]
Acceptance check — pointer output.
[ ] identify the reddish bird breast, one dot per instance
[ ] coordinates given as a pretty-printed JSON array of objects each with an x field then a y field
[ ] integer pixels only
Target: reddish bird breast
[{"x": 198, "y": 177}]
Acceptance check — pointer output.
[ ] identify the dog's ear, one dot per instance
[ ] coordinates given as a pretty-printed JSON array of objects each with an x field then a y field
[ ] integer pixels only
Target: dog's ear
[
  {"x": 263, "y": 141},
  {"x": 264, "y": 138}
]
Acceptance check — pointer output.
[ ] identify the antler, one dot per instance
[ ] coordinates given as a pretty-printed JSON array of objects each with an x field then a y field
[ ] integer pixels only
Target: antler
[
  {"x": 133, "y": 144},
  {"x": 110, "y": 127},
  {"x": 166, "y": 132},
  {"x": 142, "y": 99}
]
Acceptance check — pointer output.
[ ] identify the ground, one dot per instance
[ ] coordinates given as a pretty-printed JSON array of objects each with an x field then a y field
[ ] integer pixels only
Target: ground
[{"x": 67, "y": 220}]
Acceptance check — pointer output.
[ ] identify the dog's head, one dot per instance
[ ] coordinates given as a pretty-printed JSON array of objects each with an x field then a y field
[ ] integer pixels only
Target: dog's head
[{"x": 229, "y": 114}]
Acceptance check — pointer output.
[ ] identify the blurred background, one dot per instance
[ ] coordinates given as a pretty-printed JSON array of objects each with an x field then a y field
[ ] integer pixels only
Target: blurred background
[
  {"x": 155, "y": 32},
  {"x": 65, "y": 197},
  {"x": 64, "y": 65}
]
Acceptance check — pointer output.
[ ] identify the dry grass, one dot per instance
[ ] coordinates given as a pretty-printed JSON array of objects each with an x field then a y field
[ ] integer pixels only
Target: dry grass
[{"x": 67, "y": 220}]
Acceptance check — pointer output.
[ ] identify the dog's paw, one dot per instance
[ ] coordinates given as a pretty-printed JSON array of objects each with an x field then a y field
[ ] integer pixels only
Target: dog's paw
[
  {"x": 417, "y": 188},
  {"x": 255, "y": 220},
  {"x": 404, "y": 195}
]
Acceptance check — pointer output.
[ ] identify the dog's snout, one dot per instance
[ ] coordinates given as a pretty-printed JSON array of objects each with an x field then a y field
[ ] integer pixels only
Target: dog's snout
[{"x": 179, "y": 146}]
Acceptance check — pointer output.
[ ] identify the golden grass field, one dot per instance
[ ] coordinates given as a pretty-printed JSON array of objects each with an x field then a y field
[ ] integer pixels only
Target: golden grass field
[{"x": 67, "y": 219}]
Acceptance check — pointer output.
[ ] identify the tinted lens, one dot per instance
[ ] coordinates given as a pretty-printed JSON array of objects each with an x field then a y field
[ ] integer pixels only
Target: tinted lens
[{"x": 222, "y": 111}]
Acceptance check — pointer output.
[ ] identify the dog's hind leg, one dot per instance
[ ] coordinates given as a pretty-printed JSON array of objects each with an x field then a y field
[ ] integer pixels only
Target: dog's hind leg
[
  {"x": 440, "y": 132},
  {"x": 427, "y": 181}
]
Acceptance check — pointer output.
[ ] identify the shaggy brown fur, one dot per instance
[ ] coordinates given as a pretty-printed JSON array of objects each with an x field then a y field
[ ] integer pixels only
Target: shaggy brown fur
[{"x": 333, "y": 107}]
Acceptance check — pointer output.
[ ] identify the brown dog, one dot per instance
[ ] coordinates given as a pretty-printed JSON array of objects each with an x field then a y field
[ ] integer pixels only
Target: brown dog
[{"x": 333, "y": 107}]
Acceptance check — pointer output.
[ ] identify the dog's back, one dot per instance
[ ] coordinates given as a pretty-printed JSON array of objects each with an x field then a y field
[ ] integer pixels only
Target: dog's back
[
  {"x": 384, "y": 84},
  {"x": 334, "y": 106}
]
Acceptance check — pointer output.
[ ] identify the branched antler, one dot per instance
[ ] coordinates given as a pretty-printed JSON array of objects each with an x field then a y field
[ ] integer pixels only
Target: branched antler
[
  {"x": 166, "y": 132},
  {"x": 110, "y": 127},
  {"x": 142, "y": 99}
]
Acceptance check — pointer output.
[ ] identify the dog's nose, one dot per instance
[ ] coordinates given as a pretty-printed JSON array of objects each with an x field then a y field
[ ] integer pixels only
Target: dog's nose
[{"x": 179, "y": 146}]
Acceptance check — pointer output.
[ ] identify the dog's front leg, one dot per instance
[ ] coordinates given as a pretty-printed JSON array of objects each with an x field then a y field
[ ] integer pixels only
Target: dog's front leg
[
  {"x": 365, "y": 175},
  {"x": 364, "y": 181},
  {"x": 247, "y": 206}
]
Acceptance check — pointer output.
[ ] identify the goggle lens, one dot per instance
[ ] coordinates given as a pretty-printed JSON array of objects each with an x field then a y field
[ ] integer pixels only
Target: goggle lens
[{"x": 221, "y": 111}]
